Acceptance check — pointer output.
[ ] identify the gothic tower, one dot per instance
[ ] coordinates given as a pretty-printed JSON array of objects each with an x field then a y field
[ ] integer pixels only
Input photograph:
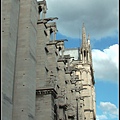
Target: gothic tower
[
  {"x": 82, "y": 82},
  {"x": 87, "y": 77}
]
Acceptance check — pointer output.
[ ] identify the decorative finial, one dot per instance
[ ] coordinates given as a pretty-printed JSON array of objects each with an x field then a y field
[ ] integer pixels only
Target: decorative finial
[{"x": 88, "y": 37}]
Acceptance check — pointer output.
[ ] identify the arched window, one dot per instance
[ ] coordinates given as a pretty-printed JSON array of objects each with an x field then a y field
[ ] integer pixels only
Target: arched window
[
  {"x": 87, "y": 55},
  {"x": 60, "y": 48},
  {"x": 51, "y": 34},
  {"x": 40, "y": 11},
  {"x": 84, "y": 53}
]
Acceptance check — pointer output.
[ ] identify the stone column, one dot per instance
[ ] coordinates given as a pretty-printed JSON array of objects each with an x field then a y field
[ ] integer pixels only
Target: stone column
[
  {"x": 54, "y": 34},
  {"x": 10, "y": 18},
  {"x": 48, "y": 33},
  {"x": 81, "y": 110},
  {"x": 25, "y": 73},
  {"x": 81, "y": 56},
  {"x": 43, "y": 12}
]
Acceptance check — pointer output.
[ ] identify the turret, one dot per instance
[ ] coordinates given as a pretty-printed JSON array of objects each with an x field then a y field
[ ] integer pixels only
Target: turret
[
  {"x": 88, "y": 40},
  {"x": 89, "y": 50}
]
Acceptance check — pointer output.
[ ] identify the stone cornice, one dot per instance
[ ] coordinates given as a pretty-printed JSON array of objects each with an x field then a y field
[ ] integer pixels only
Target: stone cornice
[
  {"x": 91, "y": 110},
  {"x": 61, "y": 40},
  {"x": 45, "y": 91},
  {"x": 45, "y": 20}
]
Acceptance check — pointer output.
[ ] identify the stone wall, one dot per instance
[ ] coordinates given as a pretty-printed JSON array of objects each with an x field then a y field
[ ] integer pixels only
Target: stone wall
[{"x": 40, "y": 79}]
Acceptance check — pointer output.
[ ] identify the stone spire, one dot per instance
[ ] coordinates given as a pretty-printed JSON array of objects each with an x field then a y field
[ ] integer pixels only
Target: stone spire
[
  {"x": 83, "y": 36},
  {"x": 89, "y": 50},
  {"x": 85, "y": 52}
]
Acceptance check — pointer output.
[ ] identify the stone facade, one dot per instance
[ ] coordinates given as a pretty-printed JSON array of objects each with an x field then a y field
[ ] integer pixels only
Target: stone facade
[{"x": 39, "y": 79}]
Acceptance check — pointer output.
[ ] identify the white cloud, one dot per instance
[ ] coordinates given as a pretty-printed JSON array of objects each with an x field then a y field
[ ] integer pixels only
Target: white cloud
[
  {"x": 109, "y": 111},
  {"x": 108, "y": 107},
  {"x": 100, "y": 17},
  {"x": 105, "y": 63},
  {"x": 113, "y": 116},
  {"x": 101, "y": 117}
]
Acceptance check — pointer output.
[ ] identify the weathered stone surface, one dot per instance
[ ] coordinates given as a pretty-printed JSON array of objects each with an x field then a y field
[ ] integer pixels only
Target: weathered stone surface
[
  {"x": 10, "y": 10},
  {"x": 25, "y": 71}
]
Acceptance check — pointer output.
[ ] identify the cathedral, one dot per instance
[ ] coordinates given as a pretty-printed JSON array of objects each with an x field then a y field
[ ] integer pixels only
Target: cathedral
[{"x": 41, "y": 79}]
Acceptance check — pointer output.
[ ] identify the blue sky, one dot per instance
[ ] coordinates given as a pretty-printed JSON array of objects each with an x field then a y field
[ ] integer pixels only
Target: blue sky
[{"x": 101, "y": 22}]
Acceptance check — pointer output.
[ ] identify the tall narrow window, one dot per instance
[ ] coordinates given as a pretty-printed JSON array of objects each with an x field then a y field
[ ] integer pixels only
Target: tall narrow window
[{"x": 84, "y": 53}]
